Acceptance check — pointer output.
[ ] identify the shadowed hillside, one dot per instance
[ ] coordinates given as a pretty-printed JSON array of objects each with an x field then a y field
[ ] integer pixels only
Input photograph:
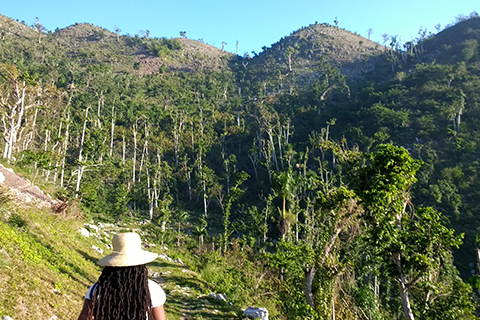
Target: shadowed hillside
[{"x": 455, "y": 44}]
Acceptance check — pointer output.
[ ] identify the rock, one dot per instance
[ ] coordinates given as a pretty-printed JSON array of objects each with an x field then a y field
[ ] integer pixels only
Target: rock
[
  {"x": 220, "y": 296},
  {"x": 2, "y": 178},
  {"x": 92, "y": 227},
  {"x": 39, "y": 190},
  {"x": 165, "y": 257},
  {"x": 99, "y": 250},
  {"x": 190, "y": 272},
  {"x": 84, "y": 232},
  {"x": 6, "y": 318},
  {"x": 256, "y": 313},
  {"x": 179, "y": 261}
]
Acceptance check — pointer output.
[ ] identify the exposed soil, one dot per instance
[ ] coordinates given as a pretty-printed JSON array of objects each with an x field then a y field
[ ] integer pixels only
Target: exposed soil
[
  {"x": 23, "y": 190},
  {"x": 194, "y": 56}
]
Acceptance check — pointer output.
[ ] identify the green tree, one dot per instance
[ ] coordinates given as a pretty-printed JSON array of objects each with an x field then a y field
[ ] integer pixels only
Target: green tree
[
  {"x": 410, "y": 243},
  {"x": 286, "y": 189}
]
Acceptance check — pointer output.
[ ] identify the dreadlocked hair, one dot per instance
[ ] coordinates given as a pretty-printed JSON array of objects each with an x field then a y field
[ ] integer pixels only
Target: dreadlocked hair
[{"x": 122, "y": 293}]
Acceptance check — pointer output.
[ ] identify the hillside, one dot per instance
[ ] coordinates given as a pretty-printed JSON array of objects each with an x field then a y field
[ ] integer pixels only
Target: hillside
[
  {"x": 193, "y": 56},
  {"x": 455, "y": 44},
  {"x": 91, "y": 44},
  {"x": 352, "y": 54},
  {"x": 303, "y": 179},
  {"x": 48, "y": 261}
]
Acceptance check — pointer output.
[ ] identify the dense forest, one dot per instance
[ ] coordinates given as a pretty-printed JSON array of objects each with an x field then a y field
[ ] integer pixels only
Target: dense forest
[{"x": 329, "y": 176}]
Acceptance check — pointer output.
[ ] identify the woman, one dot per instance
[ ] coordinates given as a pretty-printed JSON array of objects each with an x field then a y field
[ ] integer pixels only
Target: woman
[{"x": 124, "y": 291}]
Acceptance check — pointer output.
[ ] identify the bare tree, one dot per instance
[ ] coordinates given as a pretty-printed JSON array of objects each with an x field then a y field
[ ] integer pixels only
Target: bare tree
[
  {"x": 117, "y": 31},
  {"x": 385, "y": 38},
  {"x": 19, "y": 94},
  {"x": 65, "y": 142},
  {"x": 422, "y": 33},
  {"x": 81, "y": 164},
  {"x": 40, "y": 29},
  {"x": 112, "y": 128},
  {"x": 144, "y": 151},
  {"x": 134, "y": 158},
  {"x": 369, "y": 32},
  {"x": 223, "y": 45},
  {"x": 288, "y": 54}
]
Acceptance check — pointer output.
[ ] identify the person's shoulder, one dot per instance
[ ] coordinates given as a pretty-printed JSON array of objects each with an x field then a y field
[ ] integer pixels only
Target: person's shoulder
[
  {"x": 91, "y": 291},
  {"x": 153, "y": 283},
  {"x": 154, "y": 287},
  {"x": 156, "y": 293}
]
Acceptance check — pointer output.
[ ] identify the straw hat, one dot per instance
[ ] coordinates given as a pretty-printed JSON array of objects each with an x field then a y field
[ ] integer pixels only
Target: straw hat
[{"x": 127, "y": 251}]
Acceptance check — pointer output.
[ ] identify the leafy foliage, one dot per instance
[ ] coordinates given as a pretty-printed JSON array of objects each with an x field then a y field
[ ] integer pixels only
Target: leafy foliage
[
  {"x": 251, "y": 159},
  {"x": 163, "y": 47}
]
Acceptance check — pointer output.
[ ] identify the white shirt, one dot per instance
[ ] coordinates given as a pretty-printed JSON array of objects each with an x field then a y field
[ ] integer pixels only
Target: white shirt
[{"x": 156, "y": 293}]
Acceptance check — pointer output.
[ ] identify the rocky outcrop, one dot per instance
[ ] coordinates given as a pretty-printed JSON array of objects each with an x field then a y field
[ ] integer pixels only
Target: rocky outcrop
[
  {"x": 256, "y": 313},
  {"x": 218, "y": 296},
  {"x": 22, "y": 190}
]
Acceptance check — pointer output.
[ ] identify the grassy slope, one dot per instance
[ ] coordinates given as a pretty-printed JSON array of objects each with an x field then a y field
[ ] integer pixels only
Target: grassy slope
[{"x": 46, "y": 266}]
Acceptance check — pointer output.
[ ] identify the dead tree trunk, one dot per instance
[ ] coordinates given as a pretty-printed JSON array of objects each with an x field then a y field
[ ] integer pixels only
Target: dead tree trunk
[
  {"x": 112, "y": 130},
  {"x": 65, "y": 146},
  {"x": 144, "y": 152},
  {"x": 134, "y": 152},
  {"x": 309, "y": 276},
  {"x": 15, "y": 117},
  {"x": 124, "y": 147},
  {"x": 81, "y": 164}
]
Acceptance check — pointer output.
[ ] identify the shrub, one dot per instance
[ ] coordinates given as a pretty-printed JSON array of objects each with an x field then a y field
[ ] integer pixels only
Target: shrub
[{"x": 162, "y": 47}]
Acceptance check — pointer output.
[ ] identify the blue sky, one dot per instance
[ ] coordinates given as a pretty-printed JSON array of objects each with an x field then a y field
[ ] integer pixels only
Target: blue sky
[{"x": 253, "y": 23}]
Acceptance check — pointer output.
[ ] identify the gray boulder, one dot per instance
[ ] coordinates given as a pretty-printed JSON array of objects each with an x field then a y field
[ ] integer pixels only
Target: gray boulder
[
  {"x": 220, "y": 296},
  {"x": 164, "y": 256},
  {"x": 256, "y": 313},
  {"x": 179, "y": 261}
]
